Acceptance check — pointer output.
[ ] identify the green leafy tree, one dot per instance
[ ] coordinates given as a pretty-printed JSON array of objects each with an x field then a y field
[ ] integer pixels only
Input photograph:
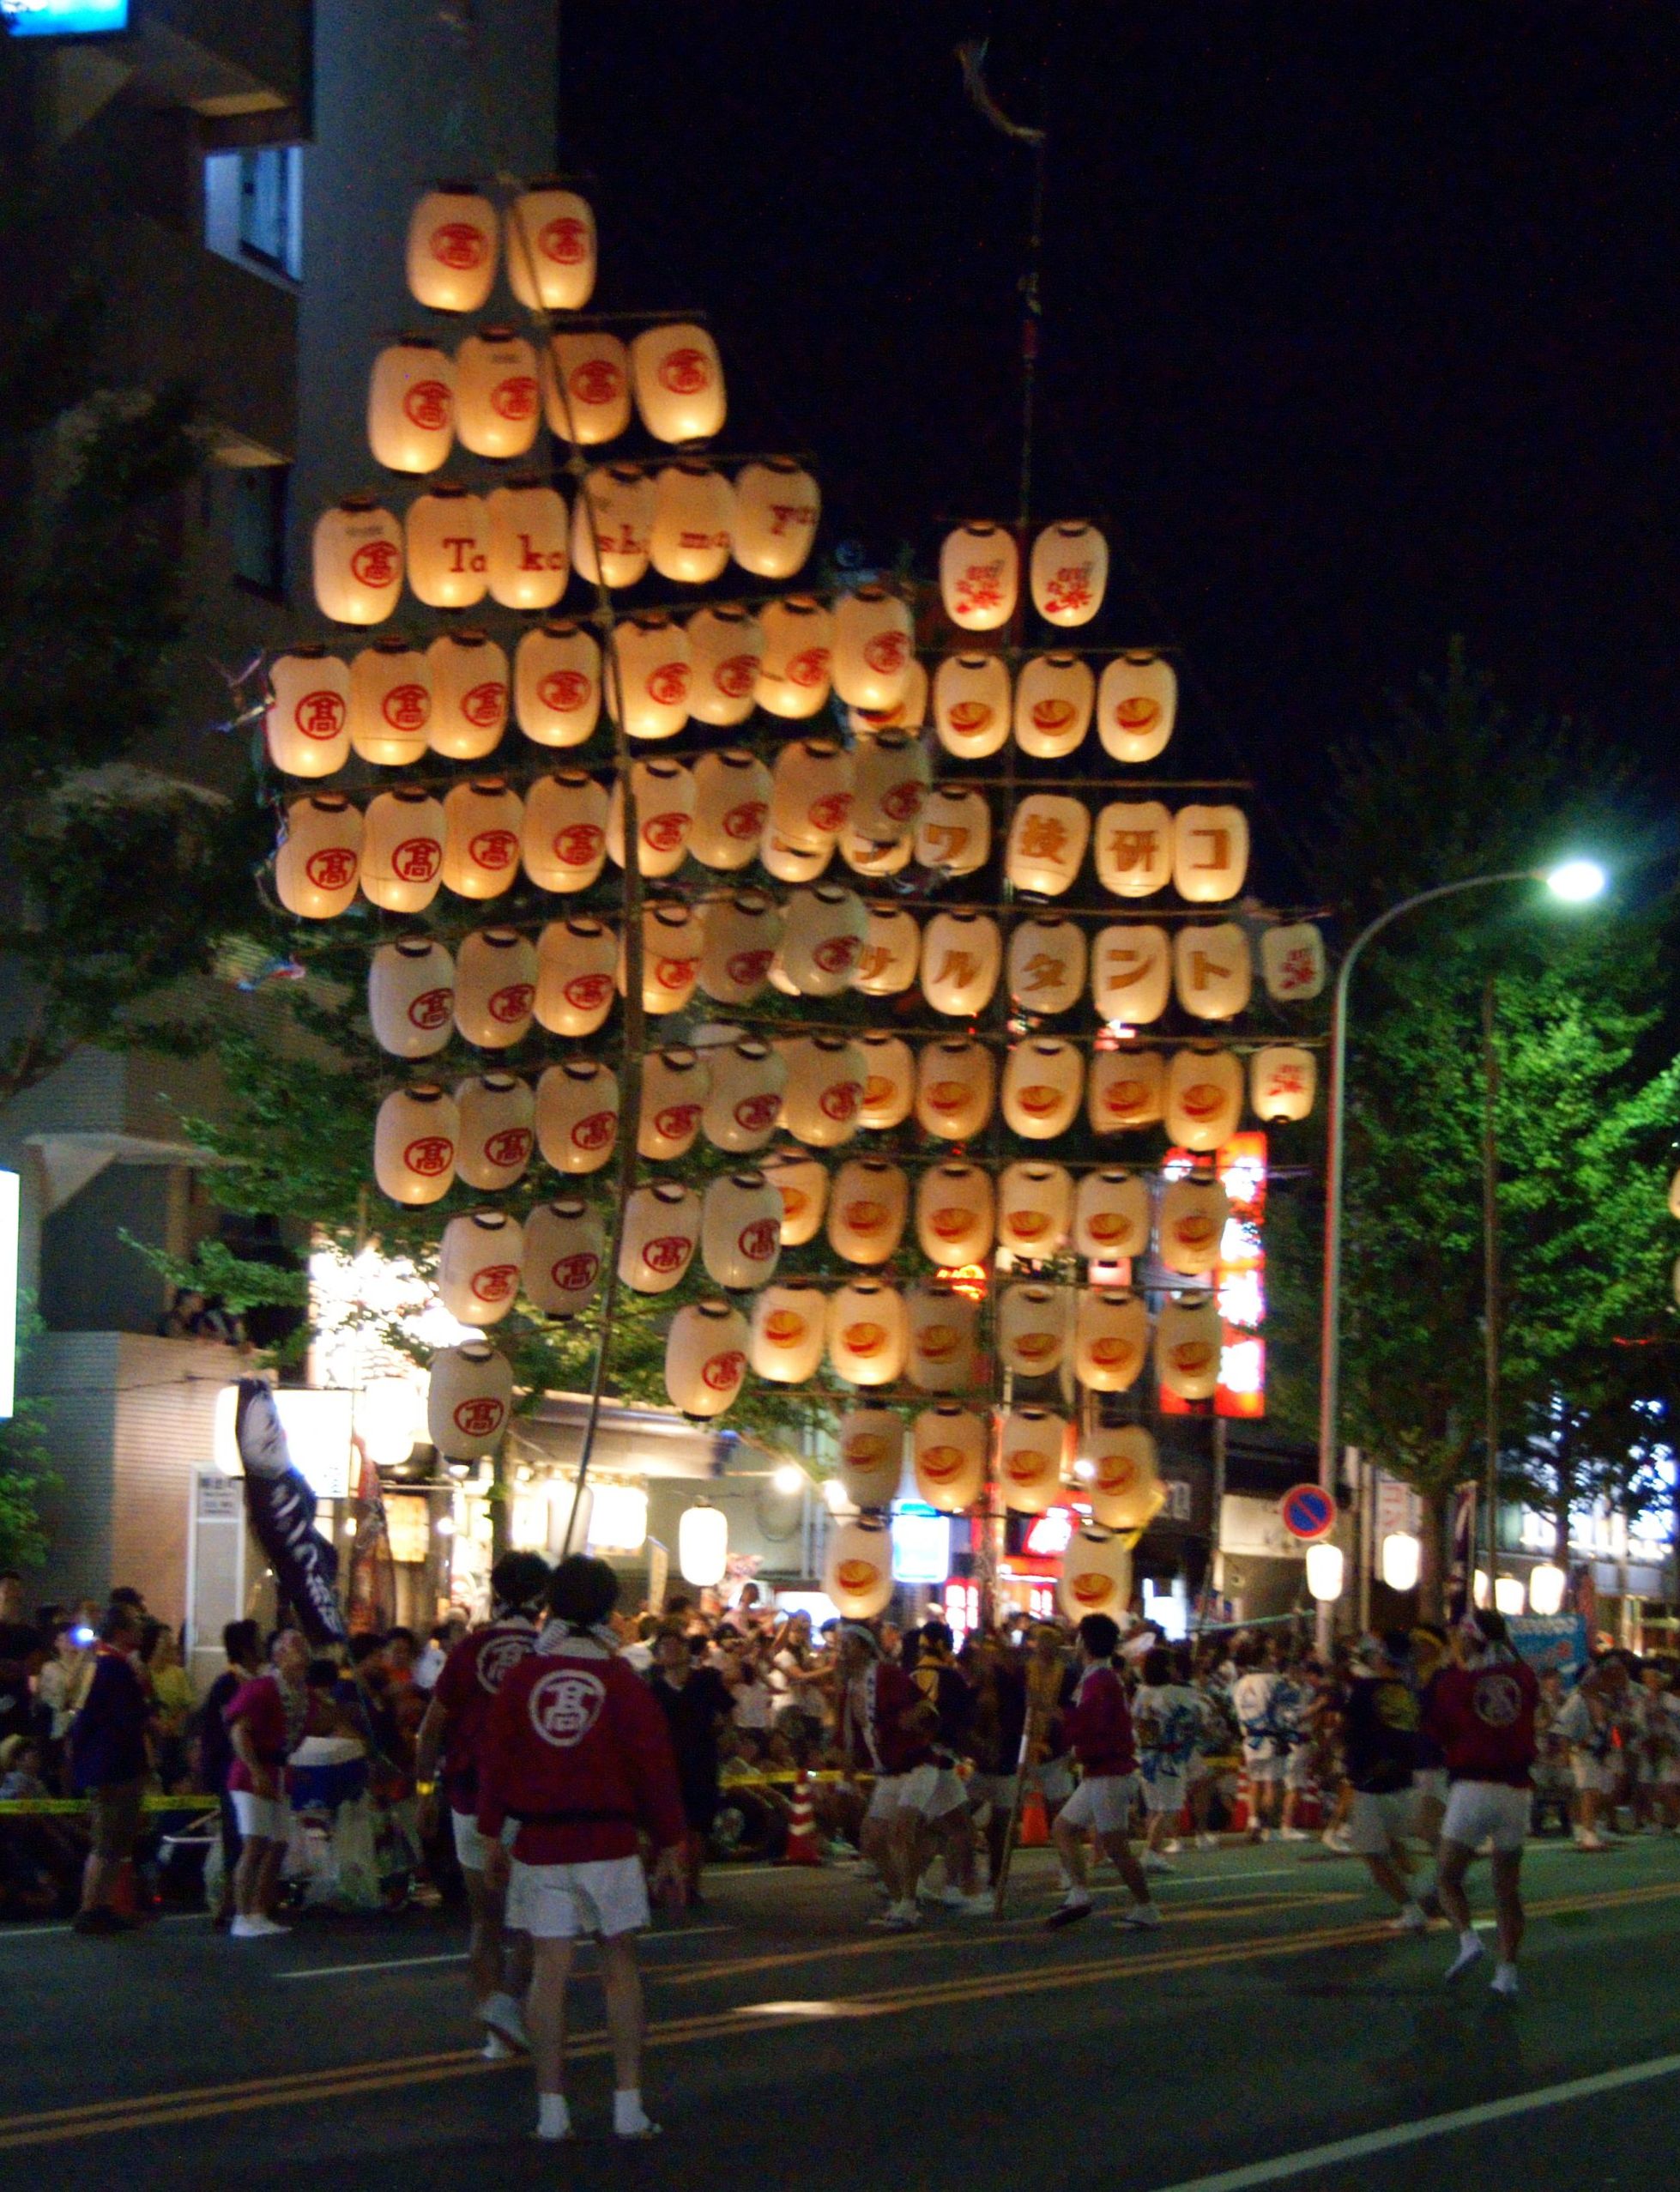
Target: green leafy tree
[{"x": 27, "y": 1476}]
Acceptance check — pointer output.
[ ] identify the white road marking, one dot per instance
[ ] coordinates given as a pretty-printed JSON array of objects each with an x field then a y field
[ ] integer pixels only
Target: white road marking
[
  {"x": 459, "y": 1956},
  {"x": 806, "y": 2009}
]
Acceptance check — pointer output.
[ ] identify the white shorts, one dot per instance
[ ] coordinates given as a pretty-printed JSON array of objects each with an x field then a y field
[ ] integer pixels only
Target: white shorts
[
  {"x": 261, "y": 1819},
  {"x": 1376, "y": 1822},
  {"x": 1053, "y": 1780},
  {"x": 472, "y": 1847},
  {"x": 997, "y": 1789},
  {"x": 1264, "y": 1772},
  {"x": 1104, "y": 1801},
  {"x": 884, "y": 1797},
  {"x": 1597, "y": 1775},
  {"x": 1478, "y": 1811},
  {"x": 607, "y": 1896},
  {"x": 932, "y": 1790},
  {"x": 1298, "y": 1772},
  {"x": 1166, "y": 1793},
  {"x": 1430, "y": 1784}
]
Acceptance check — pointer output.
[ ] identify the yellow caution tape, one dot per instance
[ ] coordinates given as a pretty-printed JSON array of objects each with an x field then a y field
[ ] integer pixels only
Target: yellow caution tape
[{"x": 36, "y": 1807}]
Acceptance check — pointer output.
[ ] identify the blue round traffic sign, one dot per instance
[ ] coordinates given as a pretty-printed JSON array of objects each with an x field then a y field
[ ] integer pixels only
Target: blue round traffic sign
[{"x": 1308, "y": 1512}]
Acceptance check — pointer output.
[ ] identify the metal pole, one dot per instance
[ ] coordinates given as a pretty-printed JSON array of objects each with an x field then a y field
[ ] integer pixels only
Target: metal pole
[{"x": 1490, "y": 1274}]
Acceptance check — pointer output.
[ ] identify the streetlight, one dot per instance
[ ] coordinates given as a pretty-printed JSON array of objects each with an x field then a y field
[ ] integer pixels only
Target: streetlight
[{"x": 1574, "y": 882}]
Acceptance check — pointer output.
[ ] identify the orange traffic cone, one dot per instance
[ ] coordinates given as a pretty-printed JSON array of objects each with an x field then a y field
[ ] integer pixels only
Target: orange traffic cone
[
  {"x": 1242, "y": 1811},
  {"x": 1035, "y": 1832},
  {"x": 803, "y": 1848},
  {"x": 124, "y": 1893}
]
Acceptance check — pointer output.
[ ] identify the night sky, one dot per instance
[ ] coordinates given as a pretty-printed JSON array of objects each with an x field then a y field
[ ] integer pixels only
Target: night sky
[{"x": 1362, "y": 322}]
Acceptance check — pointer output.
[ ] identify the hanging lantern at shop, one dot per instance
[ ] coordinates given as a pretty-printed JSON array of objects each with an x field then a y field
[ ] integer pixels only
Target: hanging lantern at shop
[
  {"x": 732, "y": 793},
  {"x": 971, "y": 706},
  {"x": 357, "y": 561},
  {"x": 1292, "y": 962},
  {"x": 825, "y": 1087},
  {"x": 1124, "y": 1486},
  {"x": 794, "y": 672},
  {"x": 870, "y": 856},
  {"x": 664, "y": 796},
  {"x": 585, "y": 380},
  {"x": 726, "y": 646},
  {"x": 1047, "y": 964},
  {"x": 956, "y": 1214},
  {"x": 402, "y": 849},
  {"x": 867, "y": 1333},
  {"x": 565, "y": 1248},
  {"x": 482, "y": 821},
  {"x": 956, "y": 1083},
  {"x": 1204, "y": 1099},
  {"x": 870, "y": 1442},
  {"x": 648, "y": 662},
  {"x": 495, "y": 988},
  {"x": 891, "y": 777},
  {"x": 1111, "y": 1216},
  {"x": 740, "y": 1231},
  {"x": 948, "y": 1447},
  {"x": 909, "y": 713},
  {"x": 414, "y": 1140},
  {"x": 788, "y": 1328},
  {"x": 1134, "y": 848},
  {"x": 447, "y": 545},
  {"x": 411, "y": 406},
  {"x": 889, "y": 1080},
  {"x": 1186, "y": 1347},
  {"x": 1131, "y": 973},
  {"x": 1054, "y": 697},
  {"x": 961, "y": 956},
  {"x": 980, "y": 575},
  {"x": 742, "y": 934},
  {"x": 468, "y": 1401},
  {"x": 498, "y": 1119},
  {"x": 675, "y": 1083},
  {"x": 469, "y": 676},
  {"x": 563, "y": 836},
  {"x": 1043, "y": 1081},
  {"x": 319, "y": 857},
  {"x": 745, "y": 1098},
  {"x": 941, "y": 1358},
  {"x": 578, "y": 1115},
  {"x": 811, "y": 793},
  {"x": 677, "y": 377},
  {"x": 822, "y": 938},
  {"x": 953, "y": 831},
  {"x": 577, "y": 961},
  {"x": 1127, "y": 1090},
  {"x": 1069, "y": 573},
  {"x": 479, "y": 1263},
  {"x": 873, "y": 647},
  {"x": 1032, "y": 1328},
  {"x": 867, "y": 1206},
  {"x": 410, "y": 997},
  {"x": 557, "y": 683},
  {"x": 1096, "y": 1575},
  {"x": 1192, "y": 1226},
  {"x": 693, "y": 518},
  {"x": 857, "y": 1575},
  {"x": 777, "y": 504},
  {"x": 551, "y": 248},
  {"x": 306, "y": 724},
  {"x": 802, "y": 1183},
  {"x": 891, "y": 949},
  {"x": 1110, "y": 1340},
  {"x": 662, "y": 1228},
  {"x": 703, "y": 1545},
  {"x": 529, "y": 562},
  {"x": 672, "y": 939},
  {"x": 1210, "y": 853},
  {"x": 706, "y": 1357},
  {"x": 1283, "y": 1079},
  {"x": 1031, "y": 1449},
  {"x": 1137, "y": 705},
  {"x": 1213, "y": 970},
  {"x": 1047, "y": 837},
  {"x": 452, "y": 249},
  {"x": 1035, "y": 1209},
  {"x": 613, "y": 514},
  {"x": 390, "y": 703},
  {"x": 495, "y": 405}
]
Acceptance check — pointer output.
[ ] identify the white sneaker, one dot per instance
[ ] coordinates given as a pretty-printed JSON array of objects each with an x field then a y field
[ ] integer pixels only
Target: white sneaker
[
  {"x": 1171, "y": 1846},
  {"x": 981, "y": 1905},
  {"x": 246, "y": 1930},
  {"x": 1207, "y": 1841},
  {"x": 1336, "y": 1838},
  {"x": 1585, "y": 1839},
  {"x": 501, "y": 2013},
  {"x": 1293, "y": 1834},
  {"x": 1411, "y": 1920},
  {"x": 496, "y": 2050},
  {"x": 1504, "y": 1981},
  {"x": 1470, "y": 1952},
  {"x": 1142, "y": 1917},
  {"x": 1153, "y": 1862}
]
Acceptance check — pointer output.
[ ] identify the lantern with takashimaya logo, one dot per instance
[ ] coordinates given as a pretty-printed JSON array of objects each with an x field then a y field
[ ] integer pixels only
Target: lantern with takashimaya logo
[
  {"x": 453, "y": 236},
  {"x": 483, "y": 817},
  {"x": 497, "y": 1129},
  {"x": 867, "y": 1333},
  {"x": 890, "y": 780},
  {"x": 663, "y": 791},
  {"x": 744, "y": 1099},
  {"x": 1292, "y": 962},
  {"x": 319, "y": 857},
  {"x": 1213, "y": 970},
  {"x": 1096, "y": 1575},
  {"x": 822, "y": 938},
  {"x": 1203, "y": 1098},
  {"x": 889, "y": 1080},
  {"x": 825, "y": 1087},
  {"x": 1110, "y": 1338},
  {"x": 1047, "y": 837},
  {"x": 873, "y": 647},
  {"x": 971, "y": 706},
  {"x": 693, "y": 516},
  {"x": 306, "y": 724},
  {"x": 495, "y": 988},
  {"x": 391, "y": 702},
  {"x": 529, "y": 561},
  {"x": 550, "y": 242},
  {"x": 612, "y": 525},
  {"x": 980, "y": 575},
  {"x": 777, "y": 504},
  {"x": 469, "y": 680},
  {"x": 1127, "y": 1089},
  {"x": 357, "y": 561},
  {"x": 1032, "y": 1328},
  {"x": 794, "y": 674},
  {"x": 1033, "y": 1446},
  {"x": 662, "y": 1228},
  {"x": 479, "y": 1263},
  {"x": 1111, "y": 1216},
  {"x": 414, "y": 1140},
  {"x": 789, "y": 1319},
  {"x": 1043, "y": 1080},
  {"x": 953, "y": 831},
  {"x": 586, "y": 386},
  {"x": 1035, "y": 1209},
  {"x": 1069, "y": 573},
  {"x": 496, "y": 407},
  {"x": 675, "y": 1083},
  {"x": 857, "y": 1573},
  {"x": 706, "y": 1357},
  {"x": 941, "y": 1357},
  {"x": 956, "y": 1083},
  {"x": 802, "y": 1183},
  {"x": 468, "y": 1401},
  {"x": 1191, "y": 1226},
  {"x": 1210, "y": 853},
  {"x": 741, "y": 1229},
  {"x": 948, "y": 1448},
  {"x": 576, "y": 963},
  {"x": 1053, "y": 695},
  {"x": 1124, "y": 1486},
  {"x": 563, "y": 837},
  {"x": 578, "y": 1115},
  {"x": 726, "y": 646},
  {"x": 962, "y": 955},
  {"x": 411, "y": 996},
  {"x": 1137, "y": 704},
  {"x": 1282, "y": 1079},
  {"x": 867, "y": 1205},
  {"x": 677, "y": 378},
  {"x": 672, "y": 939},
  {"x": 871, "y": 1444},
  {"x": 1134, "y": 848},
  {"x": 1047, "y": 964},
  {"x": 956, "y": 1213},
  {"x": 411, "y": 405},
  {"x": 565, "y": 1248},
  {"x": 732, "y": 792},
  {"x": 743, "y": 932},
  {"x": 647, "y": 675},
  {"x": 1186, "y": 1347},
  {"x": 447, "y": 545},
  {"x": 891, "y": 949},
  {"x": 557, "y": 683},
  {"x": 1131, "y": 973},
  {"x": 402, "y": 849},
  {"x": 811, "y": 793}
]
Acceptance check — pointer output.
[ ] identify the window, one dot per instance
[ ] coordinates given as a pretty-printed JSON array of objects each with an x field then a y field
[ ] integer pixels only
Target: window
[
  {"x": 253, "y": 208},
  {"x": 256, "y": 526}
]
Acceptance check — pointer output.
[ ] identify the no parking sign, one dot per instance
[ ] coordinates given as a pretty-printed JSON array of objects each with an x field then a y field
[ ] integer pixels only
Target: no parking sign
[{"x": 1308, "y": 1512}]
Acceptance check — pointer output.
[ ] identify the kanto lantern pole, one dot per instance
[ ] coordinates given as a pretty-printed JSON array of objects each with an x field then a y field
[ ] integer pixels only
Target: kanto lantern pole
[{"x": 1490, "y": 1274}]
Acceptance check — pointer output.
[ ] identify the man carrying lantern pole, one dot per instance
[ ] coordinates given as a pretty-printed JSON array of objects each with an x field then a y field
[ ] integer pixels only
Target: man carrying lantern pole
[
  {"x": 877, "y": 1704},
  {"x": 1099, "y": 1726}
]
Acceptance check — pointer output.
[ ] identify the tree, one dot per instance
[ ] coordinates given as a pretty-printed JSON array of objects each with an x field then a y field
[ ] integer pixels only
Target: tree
[{"x": 26, "y": 1464}]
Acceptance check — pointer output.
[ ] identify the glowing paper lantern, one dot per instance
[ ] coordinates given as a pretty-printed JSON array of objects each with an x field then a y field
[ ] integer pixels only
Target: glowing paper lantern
[
  {"x": 802, "y": 1183},
  {"x": 563, "y": 836},
  {"x": 1047, "y": 964},
  {"x": 448, "y": 547},
  {"x": 306, "y": 724},
  {"x": 866, "y": 1209},
  {"x": 677, "y": 377},
  {"x": 648, "y": 674},
  {"x": 1131, "y": 973},
  {"x": 1213, "y": 970},
  {"x": 889, "y": 1080},
  {"x": 1069, "y": 573},
  {"x": 479, "y": 1263},
  {"x": 1111, "y": 1216},
  {"x": 703, "y": 1545},
  {"x": 822, "y": 939},
  {"x": 675, "y": 1084},
  {"x": 961, "y": 956},
  {"x": 1283, "y": 1079},
  {"x": 1124, "y": 1486},
  {"x": 410, "y": 997},
  {"x": 742, "y": 934},
  {"x": 390, "y": 703},
  {"x": 530, "y": 563},
  {"x": 693, "y": 516},
  {"x": 497, "y": 1117},
  {"x": 908, "y": 713},
  {"x": 890, "y": 780},
  {"x": 811, "y": 793},
  {"x": 971, "y": 706},
  {"x": 1047, "y": 837},
  {"x": 1203, "y": 1098},
  {"x": 663, "y": 791},
  {"x": 941, "y": 1358},
  {"x": 732, "y": 790},
  {"x": 1546, "y": 1589},
  {"x": 788, "y": 1324},
  {"x": 744, "y": 1099},
  {"x": 411, "y": 406},
  {"x": 1127, "y": 1089},
  {"x": 495, "y": 405},
  {"x": 551, "y": 248},
  {"x": 576, "y": 963},
  {"x": 954, "y": 831},
  {"x": 612, "y": 525},
  {"x": 1292, "y": 962},
  {"x": 1210, "y": 853},
  {"x": 1035, "y": 1209},
  {"x": 578, "y": 1115},
  {"x": 468, "y": 1401},
  {"x": 495, "y": 988},
  {"x": 1054, "y": 697},
  {"x": 1043, "y": 1080},
  {"x": 725, "y": 647},
  {"x": 956, "y": 1214},
  {"x": 402, "y": 849},
  {"x": 1032, "y": 1328},
  {"x": 956, "y": 1084},
  {"x": 980, "y": 575},
  {"x": 1134, "y": 848},
  {"x": 566, "y": 1247},
  {"x": 414, "y": 1141},
  {"x": 1110, "y": 1340},
  {"x": 452, "y": 242},
  {"x": 867, "y": 1333},
  {"x": 794, "y": 672},
  {"x": 1192, "y": 1224},
  {"x": 892, "y": 950},
  {"x": 857, "y": 1575},
  {"x": 872, "y": 857},
  {"x": 1030, "y": 1450},
  {"x": 825, "y": 1087},
  {"x": 662, "y": 1226},
  {"x": 319, "y": 857},
  {"x": 1403, "y": 1561},
  {"x": 871, "y": 1444},
  {"x": 469, "y": 676},
  {"x": 872, "y": 647},
  {"x": 672, "y": 939},
  {"x": 482, "y": 821},
  {"x": 706, "y": 1357},
  {"x": 586, "y": 387},
  {"x": 777, "y": 504},
  {"x": 741, "y": 1230},
  {"x": 357, "y": 560},
  {"x": 1137, "y": 704},
  {"x": 1326, "y": 1570},
  {"x": 948, "y": 1447},
  {"x": 1186, "y": 1347},
  {"x": 557, "y": 683}
]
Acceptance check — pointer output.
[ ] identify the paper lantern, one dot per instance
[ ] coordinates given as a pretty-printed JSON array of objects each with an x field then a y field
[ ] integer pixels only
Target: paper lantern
[
  {"x": 956, "y": 1214},
  {"x": 1131, "y": 973},
  {"x": 562, "y": 834},
  {"x": 1096, "y": 1575},
  {"x": 664, "y": 794},
  {"x": 971, "y": 706},
  {"x": 1111, "y": 1216},
  {"x": 870, "y": 1442},
  {"x": 586, "y": 387},
  {"x": 551, "y": 248},
  {"x": 980, "y": 575},
  {"x": 677, "y": 378},
  {"x": 576, "y": 963},
  {"x": 1110, "y": 1340},
  {"x": 578, "y": 1115},
  {"x": 1186, "y": 1347},
  {"x": 1210, "y": 853},
  {"x": 873, "y": 647},
  {"x": 1192, "y": 1226},
  {"x": 961, "y": 956},
  {"x": 777, "y": 504},
  {"x": 789, "y": 1327},
  {"x": 495, "y": 988},
  {"x": 910, "y": 712},
  {"x": 794, "y": 671},
  {"x": 890, "y": 780},
  {"x": 390, "y": 703},
  {"x": 411, "y": 406},
  {"x": 871, "y": 856},
  {"x": 1213, "y": 970},
  {"x": 612, "y": 525},
  {"x": 306, "y": 724},
  {"x": 495, "y": 405},
  {"x": 1292, "y": 962},
  {"x": 745, "y": 1098},
  {"x": 1032, "y": 1328},
  {"x": 1047, "y": 964},
  {"x": 357, "y": 561},
  {"x": 740, "y": 1231},
  {"x": 1134, "y": 848},
  {"x": 1032, "y": 1447},
  {"x": 498, "y": 1122},
  {"x": 648, "y": 663},
  {"x": 941, "y": 1358},
  {"x": 414, "y": 1141},
  {"x": 703, "y": 1545},
  {"x": 742, "y": 934},
  {"x": 1069, "y": 573},
  {"x": 948, "y": 1447},
  {"x": 867, "y": 1333},
  {"x": 693, "y": 516},
  {"x": 447, "y": 545},
  {"x": 482, "y": 821},
  {"x": 1137, "y": 704},
  {"x": 662, "y": 1226},
  {"x": 891, "y": 952},
  {"x": 556, "y": 684},
  {"x": 1124, "y": 1484},
  {"x": 402, "y": 849},
  {"x": 672, "y": 939},
  {"x": 319, "y": 857},
  {"x": 822, "y": 938},
  {"x": 1043, "y": 1080},
  {"x": 1203, "y": 1098},
  {"x": 675, "y": 1083},
  {"x": 1035, "y": 1209},
  {"x": 468, "y": 677},
  {"x": 725, "y": 647},
  {"x": 867, "y": 1205},
  {"x": 706, "y": 1357},
  {"x": 1054, "y": 696},
  {"x": 1547, "y": 1586},
  {"x": 468, "y": 1401},
  {"x": 566, "y": 1247},
  {"x": 802, "y": 1183},
  {"x": 1326, "y": 1570},
  {"x": 529, "y": 562},
  {"x": 811, "y": 793},
  {"x": 955, "y": 1084},
  {"x": 889, "y": 1080},
  {"x": 410, "y": 997},
  {"x": 1047, "y": 837},
  {"x": 732, "y": 791},
  {"x": 857, "y": 1575},
  {"x": 1402, "y": 1561},
  {"x": 825, "y": 1087},
  {"x": 1283, "y": 1079},
  {"x": 452, "y": 255},
  {"x": 1127, "y": 1090},
  {"x": 954, "y": 831},
  {"x": 479, "y": 1263}
]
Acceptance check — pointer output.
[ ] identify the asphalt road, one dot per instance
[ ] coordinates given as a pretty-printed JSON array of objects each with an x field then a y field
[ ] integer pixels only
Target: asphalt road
[{"x": 1273, "y": 2017}]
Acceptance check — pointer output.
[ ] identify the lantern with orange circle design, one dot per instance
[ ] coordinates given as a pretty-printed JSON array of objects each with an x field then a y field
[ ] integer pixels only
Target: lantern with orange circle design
[
  {"x": 663, "y": 791},
  {"x": 1283, "y": 1079},
  {"x": 565, "y": 1249},
  {"x": 563, "y": 836},
  {"x": 706, "y": 1357},
  {"x": 1124, "y": 1486},
  {"x": 578, "y": 1115},
  {"x": 497, "y": 406},
  {"x": 402, "y": 849},
  {"x": 1137, "y": 705},
  {"x": 743, "y": 932},
  {"x": 1032, "y": 1328},
  {"x": 1032, "y": 1447},
  {"x": 390, "y": 703},
  {"x": 557, "y": 683},
  {"x": 661, "y": 1230},
  {"x": 980, "y": 575},
  {"x": 673, "y": 938},
  {"x": 956, "y": 1214},
  {"x": 585, "y": 387},
  {"x": 909, "y": 712},
  {"x": 941, "y": 1358},
  {"x": 1126, "y": 1090},
  {"x": 1134, "y": 840},
  {"x": 822, "y": 938},
  {"x": 1035, "y": 1209},
  {"x": 953, "y": 831},
  {"x": 550, "y": 242},
  {"x": 675, "y": 1083},
  {"x": 357, "y": 561},
  {"x": 1047, "y": 964},
  {"x": 1210, "y": 853},
  {"x": 1096, "y": 1574},
  {"x": 1186, "y": 1347},
  {"x": 777, "y": 504},
  {"x": 956, "y": 1084},
  {"x": 1213, "y": 970},
  {"x": 948, "y": 1451},
  {"x": 1203, "y": 1098},
  {"x": 1111, "y": 1216},
  {"x": 495, "y": 988},
  {"x": 889, "y": 1080},
  {"x": 1054, "y": 696},
  {"x": 867, "y": 1205},
  {"x": 1131, "y": 973},
  {"x": 871, "y": 1456},
  {"x": 469, "y": 675},
  {"x": 802, "y": 1183},
  {"x": 1047, "y": 837},
  {"x": 447, "y": 546},
  {"x": 794, "y": 671},
  {"x": 612, "y": 525},
  {"x": 726, "y": 646},
  {"x": 1191, "y": 1225},
  {"x": 789, "y": 1318},
  {"x": 414, "y": 1140},
  {"x": 857, "y": 1573},
  {"x": 1043, "y": 1080},
  {"x": 744, "y": 1099},
  {"x": 694, "y": 517},
  {"x": 971, "y": 706},
  {"x": 483, "y": 817},
  {"x": 468, "y": 1401},
  {"x": 529, "y": 561},
  {"x": 497, "y": 1114},
  {"x": 318, "y": 861},
  {"x": 577, "y": 961},
  {"x": 479, "y": 1260},
  {"x": 411, "y": 405},
  {"x": 453, "y": 237},
  {"x": 819, "y": 1104},
  {"x": 411, "y": 996},
  {"x": 891, "y": 952},
  {"x": 741, "y": 1229},
  {"x": 306, "y": 724},
  {"x": 867, "y": 1333},
  {"x": 677, "y": 378},
  {"x": 873, "y": 647},
  {"x": 1110, "y": 1338},
  {"x": 961, "y": 956}
]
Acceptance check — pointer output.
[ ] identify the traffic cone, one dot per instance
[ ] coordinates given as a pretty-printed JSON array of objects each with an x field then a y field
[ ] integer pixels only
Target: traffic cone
[
  {"x": 1242, "y": 1810},
  {"x": 803, "y": 1848},
  {"x": 125, "y": 1893},
  {"x": 1035, "y": 1832}
]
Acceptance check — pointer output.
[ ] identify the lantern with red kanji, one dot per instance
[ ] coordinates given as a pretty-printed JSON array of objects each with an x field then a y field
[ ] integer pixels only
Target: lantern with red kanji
[
  {"x": 469, "y": 675},
  {"x": 1283, "y": 1079},
  {"x": 819, "y": 1105},
  {"x": 550, "y": 242},
  {"x": 745, "y": 1098},
  {"x": 563, "y": 837},
  {"x": 586, "y": 387},
  {"x": 706, "y": 1357},
  {"x": 742, "y": 934},
  {"x": 479, "y": 1259},
  {"x": 557, "y": 683},
  {"x": 415, "y": 1142},
  {"x": 318, "y": 861},
  {"x": 726, "y": 646},
  {"x": 741, "y": 1229},
  {"x": 411, "y": 406},
  {"x": 402, "y": 849},
  {"x": 732, "y": 792},
  {"x": 452, "y": 249},
  {"x": 496, "y": 408},
  {"x": 980, "y": 575},
  {"x": 576, "y": 961},
  {"x": 390, "y": 703},
  {"x": 482, "y": 820},
  {"x": 777, "y": 504},
  {"x": 612, "y": 525},
  {"x": 675, "y": 1083},
  {"x": 468, "y": 1401},
  {"x": 411, "y": 996},
  {"x": 578, "y": 1115},
  {"x": 662, "y": 1228},
  {"x": 795, "y": 670},
  {"x": 873, "y": 647},
  {"x": 497, "y": 1114},
  {"x": 677, "y": 377},
  {"x": 495, "y": 988},
  {"x": 1069, "y": 573},
  {"x": 306, "y": 724},
  {"x": 357, "y": 561},
  {"x": 565, "y": 1246}
]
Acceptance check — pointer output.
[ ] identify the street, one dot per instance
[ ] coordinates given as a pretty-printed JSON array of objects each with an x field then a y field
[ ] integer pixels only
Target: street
[{"x": 1274, "y": 2016}]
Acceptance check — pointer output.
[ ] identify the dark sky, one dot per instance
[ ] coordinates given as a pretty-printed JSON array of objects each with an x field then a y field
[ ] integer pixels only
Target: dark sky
[{"x": 1362, "y": 321}]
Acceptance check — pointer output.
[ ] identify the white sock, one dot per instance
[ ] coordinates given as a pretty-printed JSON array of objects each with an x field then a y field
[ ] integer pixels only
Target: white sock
[
  {"x": 1076, "y": 1896},
  {"x": 553, "y": 2118},
  {"x": 1470, "y": 1942},
  {"x": 629, "y": 2116}
]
